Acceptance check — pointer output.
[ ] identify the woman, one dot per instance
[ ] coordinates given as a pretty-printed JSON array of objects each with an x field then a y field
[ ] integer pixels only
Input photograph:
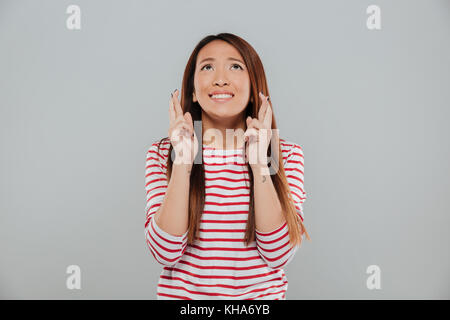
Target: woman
[{"x": 225, "y": 226}]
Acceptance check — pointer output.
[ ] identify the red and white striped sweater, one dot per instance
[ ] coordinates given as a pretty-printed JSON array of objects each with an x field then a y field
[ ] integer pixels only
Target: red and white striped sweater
[{"x": 219, "y": 265}]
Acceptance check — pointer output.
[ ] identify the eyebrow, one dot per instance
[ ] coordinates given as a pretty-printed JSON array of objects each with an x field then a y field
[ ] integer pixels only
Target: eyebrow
[{"x": 212, "y": 59}]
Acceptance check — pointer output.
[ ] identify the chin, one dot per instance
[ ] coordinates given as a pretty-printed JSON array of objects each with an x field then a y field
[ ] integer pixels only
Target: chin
[{"x": 221, "y": 114}]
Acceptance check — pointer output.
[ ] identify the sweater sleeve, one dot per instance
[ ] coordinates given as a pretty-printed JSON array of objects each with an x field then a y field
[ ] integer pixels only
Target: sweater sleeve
[
  {"x": 166, "y": 248},
  {"x": 274, "y": 246}
]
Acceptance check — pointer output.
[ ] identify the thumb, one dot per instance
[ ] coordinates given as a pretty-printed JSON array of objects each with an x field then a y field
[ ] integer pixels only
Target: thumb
[{"x": 188, "y": 117}]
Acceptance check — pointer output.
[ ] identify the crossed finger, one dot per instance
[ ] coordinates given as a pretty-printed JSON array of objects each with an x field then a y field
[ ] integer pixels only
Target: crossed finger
[
  {"x": 263, "y": 108},
  {"x": 253, "y": 127},
  {"x": 172, "y": 114},
  {"x": 175, "y": 109},
  {"x": 265, "y": 111}
]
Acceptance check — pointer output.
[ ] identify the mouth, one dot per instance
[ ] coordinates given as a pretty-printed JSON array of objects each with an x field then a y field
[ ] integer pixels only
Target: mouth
[{"x": 222, "y": 97}]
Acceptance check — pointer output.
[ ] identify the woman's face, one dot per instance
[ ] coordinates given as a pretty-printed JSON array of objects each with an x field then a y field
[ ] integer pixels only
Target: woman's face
[{"x": 220, "y": 68}]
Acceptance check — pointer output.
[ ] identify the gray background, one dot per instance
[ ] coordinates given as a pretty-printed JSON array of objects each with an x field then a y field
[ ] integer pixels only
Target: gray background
[{"x": 79, "y": 109}]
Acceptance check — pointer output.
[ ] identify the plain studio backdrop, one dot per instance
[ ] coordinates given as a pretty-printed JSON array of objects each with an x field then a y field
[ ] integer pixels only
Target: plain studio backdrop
[{"x": 80, "y": 108}]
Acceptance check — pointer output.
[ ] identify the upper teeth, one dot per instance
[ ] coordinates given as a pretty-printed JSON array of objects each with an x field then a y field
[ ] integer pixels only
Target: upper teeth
[{"x": 221, "y": 96}]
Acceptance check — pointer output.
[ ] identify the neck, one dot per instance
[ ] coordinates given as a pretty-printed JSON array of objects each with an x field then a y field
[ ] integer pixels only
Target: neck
[{"x": 215, "y": 131}]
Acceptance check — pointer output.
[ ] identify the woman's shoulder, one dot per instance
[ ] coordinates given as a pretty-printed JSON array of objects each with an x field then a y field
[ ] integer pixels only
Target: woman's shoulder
[
  {"x": 288, "y": 147},
  {"x": 159, "y": 149},
  {"x": 290, "y": 150}
]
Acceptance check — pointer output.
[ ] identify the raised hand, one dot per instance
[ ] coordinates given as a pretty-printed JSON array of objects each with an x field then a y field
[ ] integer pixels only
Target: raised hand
[
  {"x": 258, "y": 135},
  {"x": 181, "y": 133}
]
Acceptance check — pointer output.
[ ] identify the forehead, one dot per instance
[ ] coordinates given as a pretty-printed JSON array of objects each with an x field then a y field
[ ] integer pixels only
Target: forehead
[{"x": 218, "y": 49}]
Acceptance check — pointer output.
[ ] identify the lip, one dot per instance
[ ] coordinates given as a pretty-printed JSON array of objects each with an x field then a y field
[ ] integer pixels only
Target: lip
[{"x": 222, "y": 100}]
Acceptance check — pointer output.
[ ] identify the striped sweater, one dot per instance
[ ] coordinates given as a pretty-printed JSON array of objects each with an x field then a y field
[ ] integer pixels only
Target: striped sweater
[{"x": 219, "y": 265}]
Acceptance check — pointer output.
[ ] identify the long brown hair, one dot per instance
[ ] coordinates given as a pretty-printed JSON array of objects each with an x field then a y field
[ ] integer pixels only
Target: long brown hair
[{"x": 197, "y": 177}]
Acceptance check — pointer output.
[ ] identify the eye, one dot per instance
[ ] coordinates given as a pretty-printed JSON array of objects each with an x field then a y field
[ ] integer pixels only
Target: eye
[{"x": 206, "y": 65}]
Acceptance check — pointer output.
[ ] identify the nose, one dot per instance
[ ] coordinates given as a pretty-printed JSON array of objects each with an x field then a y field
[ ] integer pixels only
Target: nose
[
  {"x": 220, "y": 79},
  {"x": 220, "y": 82}
]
